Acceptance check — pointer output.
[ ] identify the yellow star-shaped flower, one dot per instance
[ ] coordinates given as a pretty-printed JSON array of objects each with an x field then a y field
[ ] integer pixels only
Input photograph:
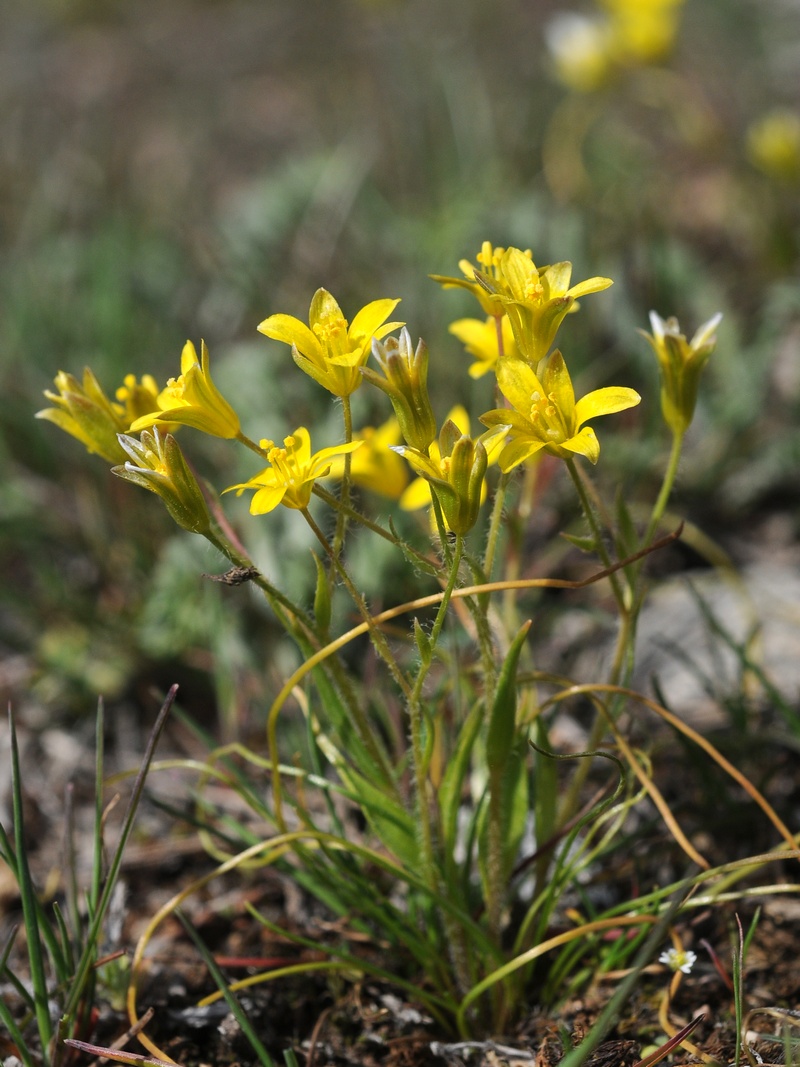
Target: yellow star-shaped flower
[
  {"x": 290, "y": 477},
  {"x": 329, "y": 350},
  {"x": 544, "y": 413}
]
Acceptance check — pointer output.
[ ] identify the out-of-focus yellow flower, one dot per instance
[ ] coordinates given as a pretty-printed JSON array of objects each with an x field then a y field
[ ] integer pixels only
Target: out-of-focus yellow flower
[
  {"x": 479, "y": 337},
  {"x": 375, "y": 466},
  {"x": 138, "y": 396},
  {"x": 773, "y": 144},
  {"x": 536, "y": 299},
  {"x": 488, "y": 260},
  {"x": 646, "y": 36},
  {"x": 681, "y": 363},
  {"x": 590, "y": 50},
  {"x": 156, "y": 463},
  {"x": 544, "y": 413},
  {"x": 328, "y": 350},
  {"x": 84, "y": 411},
  {"x": 290, "y": 477},
  {"x": 193, "y": 400}
]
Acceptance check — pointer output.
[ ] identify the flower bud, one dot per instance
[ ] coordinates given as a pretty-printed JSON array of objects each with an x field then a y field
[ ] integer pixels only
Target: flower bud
[
  {"x": 455, "y": 471},
  {"x": 406, "y": 385},
  {"x": 681, "y": 364},
  {"x": 156, "y": 463}
]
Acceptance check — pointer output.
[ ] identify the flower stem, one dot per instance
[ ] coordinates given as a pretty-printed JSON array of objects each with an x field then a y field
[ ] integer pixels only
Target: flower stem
[
  {"x": 344, "y": 494},
  {"x": 376, "y": 636},
  {"x": 455, "y": 934},
  {"x": 666, "y": 489},
  {"x": 494, "y": 525}
]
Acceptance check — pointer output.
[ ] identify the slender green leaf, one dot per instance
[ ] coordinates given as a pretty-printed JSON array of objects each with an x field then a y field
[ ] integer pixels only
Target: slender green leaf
[{"x": 233, "y": 1003}]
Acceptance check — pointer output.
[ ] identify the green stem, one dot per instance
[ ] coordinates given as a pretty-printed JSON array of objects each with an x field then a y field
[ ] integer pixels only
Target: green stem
[
  {"x": 494, "y": 525},
  {"x": 336, "y": 503},
  {"x": 597, "y": 533},
  {"x": 243, "y": 439},
  {"x": 455, "y": 933},
  {"x": 344, "y": 494},
  {"x": 287, "y": 612},
  {"x": 622, "y": 652},
  {"x": 376, "y": 636},
  {"x": 666, "y": 489}
]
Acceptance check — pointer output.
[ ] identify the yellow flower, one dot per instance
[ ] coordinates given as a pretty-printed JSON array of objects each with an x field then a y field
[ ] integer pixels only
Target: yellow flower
[
  {"x": 329, "y": 350},
  {"x": 773, "y": 144},
  {"x": 375, "y": 466},
  {"x": 156, "y": 463},
  {"x": 193, "y": 400},
  {"x": 544, "y": 413},
  {"x": 536, "y": 299},
  {"x": 681, "y": 363},
  {"x": 84, "y": 411},
  {"x": 290, "y": 477},
  {"x": 480, "y": 340},
  {"x": 488, "y": 266}
]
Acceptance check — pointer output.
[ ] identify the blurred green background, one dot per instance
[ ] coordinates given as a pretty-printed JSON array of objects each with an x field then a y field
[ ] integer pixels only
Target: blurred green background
[{"x": 174, "y": 169}]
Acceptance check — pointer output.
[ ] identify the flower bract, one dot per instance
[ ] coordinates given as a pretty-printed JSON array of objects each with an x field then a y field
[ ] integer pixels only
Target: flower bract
[
  {"x": 544, "y": 413},
  {"x": 405, "y": 382},
  {"x": 289, "y": 478},
  {"x": 328, "y": 349},
  {"x": 451, "y": 468}
]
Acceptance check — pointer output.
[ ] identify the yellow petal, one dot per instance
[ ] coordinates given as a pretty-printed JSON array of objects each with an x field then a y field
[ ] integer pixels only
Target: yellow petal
[
  {"x": 518, "y": 383},
  {"x": 292, "y": 331},
  {"x": 371, "y": 317},
  {"x": 605, "y": 402},
  {"x": 267, "y": 499},
  {"x": 584, "y": 443}
]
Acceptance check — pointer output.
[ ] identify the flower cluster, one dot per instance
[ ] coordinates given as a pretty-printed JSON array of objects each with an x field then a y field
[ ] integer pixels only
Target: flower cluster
[{"x": 524, "y": 306}]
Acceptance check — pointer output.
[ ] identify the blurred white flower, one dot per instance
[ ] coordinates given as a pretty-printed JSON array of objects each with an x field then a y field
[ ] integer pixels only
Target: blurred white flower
[{"x": 678, "y": 959}]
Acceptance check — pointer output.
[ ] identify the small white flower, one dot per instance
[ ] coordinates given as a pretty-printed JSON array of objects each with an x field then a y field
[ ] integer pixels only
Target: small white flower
[{"x": 678, "y": 959}]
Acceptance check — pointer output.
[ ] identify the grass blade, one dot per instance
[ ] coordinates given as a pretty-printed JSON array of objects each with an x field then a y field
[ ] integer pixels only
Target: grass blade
[
  {"x": 232, "y": 1002},
  {"x": 30, "y": 913}
]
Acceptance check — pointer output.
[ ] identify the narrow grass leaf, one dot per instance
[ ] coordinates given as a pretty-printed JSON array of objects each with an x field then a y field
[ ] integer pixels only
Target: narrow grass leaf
[
  {"x": 89, "y": 951},
  {"x": 219, "y": 978},
  {"x": 30, "y": 912}
]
